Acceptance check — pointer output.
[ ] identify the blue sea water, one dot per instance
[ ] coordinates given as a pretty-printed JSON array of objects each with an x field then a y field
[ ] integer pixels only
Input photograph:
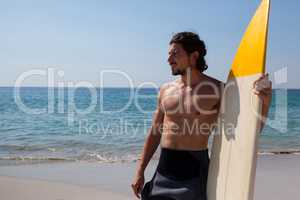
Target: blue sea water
[{"x": 108, "y": 126}]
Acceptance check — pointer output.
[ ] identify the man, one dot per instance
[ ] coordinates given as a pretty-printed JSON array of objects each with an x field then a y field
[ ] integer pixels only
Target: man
[{"x": 184, "y": 105}]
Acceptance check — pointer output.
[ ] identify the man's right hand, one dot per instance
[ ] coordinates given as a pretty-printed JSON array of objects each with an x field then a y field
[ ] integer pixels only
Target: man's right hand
[{"x": 138, "y": 184}]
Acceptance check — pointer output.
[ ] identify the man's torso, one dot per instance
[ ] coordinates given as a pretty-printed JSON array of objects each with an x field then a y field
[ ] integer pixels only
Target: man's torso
[{"x": 190, "y": 114}]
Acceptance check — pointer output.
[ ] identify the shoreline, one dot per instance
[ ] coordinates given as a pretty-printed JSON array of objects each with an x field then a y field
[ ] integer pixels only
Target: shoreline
[{"x": 19, "y": 160}]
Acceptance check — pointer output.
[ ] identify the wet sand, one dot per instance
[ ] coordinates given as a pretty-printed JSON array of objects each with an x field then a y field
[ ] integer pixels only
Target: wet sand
[{"x": 277, "y": 178}]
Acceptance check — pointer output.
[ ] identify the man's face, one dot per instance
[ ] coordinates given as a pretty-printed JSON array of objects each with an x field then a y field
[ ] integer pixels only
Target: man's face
[{"x": 178, "y": 59}]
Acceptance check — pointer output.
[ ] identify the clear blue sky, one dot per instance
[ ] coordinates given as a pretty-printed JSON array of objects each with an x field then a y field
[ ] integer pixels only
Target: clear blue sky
[{"x": 84, "y": 37}]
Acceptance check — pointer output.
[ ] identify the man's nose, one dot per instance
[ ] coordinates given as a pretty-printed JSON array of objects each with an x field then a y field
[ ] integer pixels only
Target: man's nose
[{"x": 170, "y": 59}]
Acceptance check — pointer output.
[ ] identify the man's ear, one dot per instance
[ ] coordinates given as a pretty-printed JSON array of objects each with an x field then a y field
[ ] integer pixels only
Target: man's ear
[{"x": 195, "y": 56}]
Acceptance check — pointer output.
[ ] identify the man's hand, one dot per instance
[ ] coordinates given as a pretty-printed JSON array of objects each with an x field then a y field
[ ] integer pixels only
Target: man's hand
[
  {"x": 138, "y": 184},
  {"x": 263, "y": 88}
]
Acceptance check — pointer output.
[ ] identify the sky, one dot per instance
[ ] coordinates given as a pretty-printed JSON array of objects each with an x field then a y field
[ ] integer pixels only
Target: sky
[{"x": 80, "y": 40}]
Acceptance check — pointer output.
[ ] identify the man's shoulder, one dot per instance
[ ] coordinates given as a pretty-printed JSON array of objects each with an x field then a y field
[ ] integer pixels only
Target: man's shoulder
[
  {"x": 214, "y": 81},
  {"x": 167, "y": 85}
]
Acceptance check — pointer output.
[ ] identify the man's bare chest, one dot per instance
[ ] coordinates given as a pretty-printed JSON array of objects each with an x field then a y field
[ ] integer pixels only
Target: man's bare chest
[{"x": 187, "y": 101}]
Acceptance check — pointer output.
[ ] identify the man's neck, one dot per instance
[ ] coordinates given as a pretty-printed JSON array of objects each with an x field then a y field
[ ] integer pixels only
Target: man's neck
[{"x": 192, "y": 77}]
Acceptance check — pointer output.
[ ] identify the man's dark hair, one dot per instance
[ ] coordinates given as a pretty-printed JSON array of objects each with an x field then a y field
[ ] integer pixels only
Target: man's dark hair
[{"x": 191, "y": 42}]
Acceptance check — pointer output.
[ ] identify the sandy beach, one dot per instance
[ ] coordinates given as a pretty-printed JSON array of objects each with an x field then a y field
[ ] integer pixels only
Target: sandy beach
[{"x": 278, "y": 178}]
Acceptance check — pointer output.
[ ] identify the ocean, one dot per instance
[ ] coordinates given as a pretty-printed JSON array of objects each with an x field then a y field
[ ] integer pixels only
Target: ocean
[{"x": 39, "y": 124}]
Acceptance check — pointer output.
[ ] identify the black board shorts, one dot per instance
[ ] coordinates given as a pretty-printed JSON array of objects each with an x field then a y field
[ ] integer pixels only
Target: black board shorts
[{"x": 180, "y": 175}]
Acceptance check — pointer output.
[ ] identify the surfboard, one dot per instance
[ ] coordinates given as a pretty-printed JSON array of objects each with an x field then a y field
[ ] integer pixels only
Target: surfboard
[{"x": 234, "y": 149}]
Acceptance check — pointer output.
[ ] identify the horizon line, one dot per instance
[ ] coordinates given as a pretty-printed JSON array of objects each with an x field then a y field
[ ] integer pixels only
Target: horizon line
[{"x": 34, "y": 86}]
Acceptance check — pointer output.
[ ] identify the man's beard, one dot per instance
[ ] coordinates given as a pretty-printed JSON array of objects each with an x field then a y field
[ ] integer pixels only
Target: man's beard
[{"x": 176, "y": 72}]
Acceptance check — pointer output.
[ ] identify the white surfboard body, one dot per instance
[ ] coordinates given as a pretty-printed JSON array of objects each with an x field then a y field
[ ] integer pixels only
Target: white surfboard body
[{"x": 235, "y": 142}]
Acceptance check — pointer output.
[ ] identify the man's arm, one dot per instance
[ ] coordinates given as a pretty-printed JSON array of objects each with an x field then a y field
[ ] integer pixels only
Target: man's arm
[
  {"x": 266, "y": 101},
  {"x": 150, "y": 146},
  {"x": 153, "y": 138}
]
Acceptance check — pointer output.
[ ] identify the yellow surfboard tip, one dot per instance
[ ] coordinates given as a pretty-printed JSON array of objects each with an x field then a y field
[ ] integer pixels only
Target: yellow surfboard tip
[{"x": 251, "y": 55}]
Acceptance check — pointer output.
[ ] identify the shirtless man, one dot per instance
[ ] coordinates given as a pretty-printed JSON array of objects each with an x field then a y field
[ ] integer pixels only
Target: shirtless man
[{"x": 187, "y": 110}]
